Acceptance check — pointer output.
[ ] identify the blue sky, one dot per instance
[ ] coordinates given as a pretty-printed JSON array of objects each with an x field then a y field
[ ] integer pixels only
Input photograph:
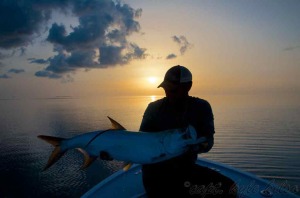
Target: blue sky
[{"x": 100, "y": 47}]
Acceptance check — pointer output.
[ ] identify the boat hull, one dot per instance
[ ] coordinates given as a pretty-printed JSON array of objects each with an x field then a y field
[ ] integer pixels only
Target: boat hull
[{"x": 129, "y": 183}]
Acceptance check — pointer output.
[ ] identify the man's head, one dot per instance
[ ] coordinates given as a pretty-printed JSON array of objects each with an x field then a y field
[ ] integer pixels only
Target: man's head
[{"x": 177, "y": 82}]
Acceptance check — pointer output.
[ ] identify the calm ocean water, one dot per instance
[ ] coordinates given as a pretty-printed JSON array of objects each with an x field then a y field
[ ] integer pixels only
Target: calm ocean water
[{"x": 252, "y": 135}]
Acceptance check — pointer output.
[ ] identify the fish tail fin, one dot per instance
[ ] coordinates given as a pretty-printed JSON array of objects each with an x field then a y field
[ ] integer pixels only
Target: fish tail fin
[{"x": 57, "y": 153}]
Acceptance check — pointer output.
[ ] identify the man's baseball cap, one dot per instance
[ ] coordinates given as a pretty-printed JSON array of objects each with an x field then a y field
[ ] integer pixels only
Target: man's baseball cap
[{"x": 176, "y": 75}]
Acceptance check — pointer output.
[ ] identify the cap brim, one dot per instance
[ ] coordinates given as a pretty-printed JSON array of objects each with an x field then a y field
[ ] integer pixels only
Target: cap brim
[{"x": 168, "y": 85}]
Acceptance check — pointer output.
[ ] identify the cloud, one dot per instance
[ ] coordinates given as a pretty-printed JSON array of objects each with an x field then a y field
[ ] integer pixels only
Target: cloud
[
  {"x": 2, "y": 56},
  {"x": 100, "y": 40},
  {"x": 183, "y": 43},
  {"x": 4, "y": 76},
  {"x": 292, "y": 48},
  {"x": 47, "y": 74},
  {"x": 171, "y": 56},
  {"x": 16, "y": 71},
  {"x": 11, "y": 71},
  {"x": 20, "y": 22},
  {"x": 38, "y": 61}
]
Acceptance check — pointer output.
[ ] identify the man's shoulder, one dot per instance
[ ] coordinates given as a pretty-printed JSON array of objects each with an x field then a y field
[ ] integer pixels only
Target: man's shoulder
[
  {"x": 153, "y": 108},
  {"x": 198, "y": 101},
  {"x": 157, "y": 103},
  {"x": 194, "y": 101}
]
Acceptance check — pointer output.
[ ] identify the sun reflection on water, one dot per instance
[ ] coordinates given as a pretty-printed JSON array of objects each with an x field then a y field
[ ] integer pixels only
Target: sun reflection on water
[{"x": 153, "y": 98}]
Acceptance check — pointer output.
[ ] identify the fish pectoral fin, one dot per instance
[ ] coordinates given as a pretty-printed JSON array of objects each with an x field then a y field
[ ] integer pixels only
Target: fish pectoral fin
[
  {"x": 115, "y": 124},
  {"x": 127, "y": 166},
  {"x": 88, "y": 160}
]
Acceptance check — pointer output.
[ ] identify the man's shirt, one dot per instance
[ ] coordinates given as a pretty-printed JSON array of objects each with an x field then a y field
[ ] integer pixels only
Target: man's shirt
[{"x": 162, "y": 115}]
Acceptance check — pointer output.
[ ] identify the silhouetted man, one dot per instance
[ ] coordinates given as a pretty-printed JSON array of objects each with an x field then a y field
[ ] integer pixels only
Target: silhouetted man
[{"x": 173, "y": 178}]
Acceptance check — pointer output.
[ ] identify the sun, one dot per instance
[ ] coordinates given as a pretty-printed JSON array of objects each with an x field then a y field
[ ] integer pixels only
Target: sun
[{"x": 152, "y": 79}]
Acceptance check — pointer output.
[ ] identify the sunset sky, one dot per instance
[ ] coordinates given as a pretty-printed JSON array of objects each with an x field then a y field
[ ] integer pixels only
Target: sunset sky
[{"x": 100, "y": 47}]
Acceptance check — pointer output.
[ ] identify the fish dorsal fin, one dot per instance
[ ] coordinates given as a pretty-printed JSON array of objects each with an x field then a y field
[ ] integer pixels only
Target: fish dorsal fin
[
  {"x": 88, "y": 160},
  {"x": 127, "y": 166},
  {"x": 115, "y": 124}
]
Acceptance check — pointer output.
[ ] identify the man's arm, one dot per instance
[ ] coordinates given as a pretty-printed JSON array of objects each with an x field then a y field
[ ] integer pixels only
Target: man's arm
[
  {"x": 147, "y": 124},
  {"x": 206, "y": 127}
]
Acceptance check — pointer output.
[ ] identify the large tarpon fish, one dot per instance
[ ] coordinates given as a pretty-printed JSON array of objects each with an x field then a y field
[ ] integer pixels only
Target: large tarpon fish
[{"x": 123, "y": 145}]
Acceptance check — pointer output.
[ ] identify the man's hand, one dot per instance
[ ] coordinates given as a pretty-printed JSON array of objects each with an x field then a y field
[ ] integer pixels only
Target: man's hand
[
  {"x": 200, "y": 148},
  {"x": 204, "y": 145}
]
